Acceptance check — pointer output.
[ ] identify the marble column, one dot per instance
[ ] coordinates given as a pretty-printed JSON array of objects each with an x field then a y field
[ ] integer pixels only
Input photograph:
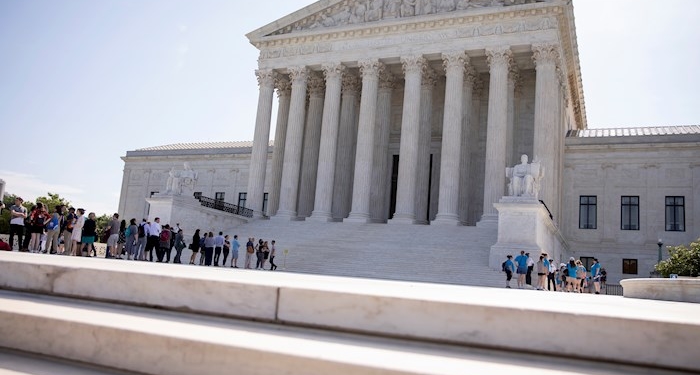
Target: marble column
[
  {"x": 511, "y": 139},
  {"x": 379, "y": 200},
  {"x": 477, "y": 145},
  {"x": 345, "y": 157},
  {"x": 425, "y": 132},
  {"x": 546, "y": 134},
  {"x": 284, "y": 92},
  {"x": 448, "y": 202},
  {"x": 312, "y": 144},
  {"x": 408, "y": 152},
  {"x": 323, "y": 203},
  {"x": 261, "y": 141},
  {"x": 499, "y": 60},
  {"x": 293, "y": 145},
  {"x": 467, "y": 138},
  {"x": 362, "y": 181}
]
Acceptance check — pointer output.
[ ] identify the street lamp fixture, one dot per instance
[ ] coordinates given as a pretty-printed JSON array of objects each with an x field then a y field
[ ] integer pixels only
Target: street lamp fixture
[{"x": 661, "y": 244}]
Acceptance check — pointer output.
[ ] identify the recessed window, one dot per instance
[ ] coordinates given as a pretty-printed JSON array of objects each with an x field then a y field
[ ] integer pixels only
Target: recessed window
[
  {"x": 219, "y": 196},
  {"x": 587, "y": 212},
  {"x": 675, "y": 214},
  {"x": 242, "y": 197},
  {"x": 197, "y": 194},
  {"x": 629, "y": 266},
  {"x": 265, "y": 198},
  {"x": 630, "y": 213}
]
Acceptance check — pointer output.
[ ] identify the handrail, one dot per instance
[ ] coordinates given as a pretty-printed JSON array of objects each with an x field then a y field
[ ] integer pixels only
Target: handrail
[
  {"x": 223, "y": 206},
  {"x": 547, "y": 208}
]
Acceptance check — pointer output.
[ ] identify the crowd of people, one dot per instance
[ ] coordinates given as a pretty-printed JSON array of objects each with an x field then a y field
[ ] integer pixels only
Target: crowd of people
[
  {"x": 70, "y": 232},
  {"x": 568, "y": 277}
]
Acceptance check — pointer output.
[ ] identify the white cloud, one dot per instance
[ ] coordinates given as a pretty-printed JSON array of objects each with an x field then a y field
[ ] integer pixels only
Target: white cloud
[{"x": 30, "y": 186}]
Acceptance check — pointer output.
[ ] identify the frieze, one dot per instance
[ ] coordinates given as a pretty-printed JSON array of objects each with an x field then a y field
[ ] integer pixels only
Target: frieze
[
  {"x": 352, "y": 12},
  {"x": 470, "y": 31}
]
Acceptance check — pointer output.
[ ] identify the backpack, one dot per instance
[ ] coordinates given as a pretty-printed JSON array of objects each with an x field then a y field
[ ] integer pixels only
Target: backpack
[
  {"x": 38, "y": 220},
  {"x": 165, "y": 236},
  {"x": 141, "y": 231},
  {"x": 53, "y": 224},
  {"x": 503, "y": 267}
]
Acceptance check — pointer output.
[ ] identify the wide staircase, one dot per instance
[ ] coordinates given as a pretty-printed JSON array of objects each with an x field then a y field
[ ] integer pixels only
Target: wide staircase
[
  {"x": 63, "y": 315},
  {"x": 428, "y": 253}
]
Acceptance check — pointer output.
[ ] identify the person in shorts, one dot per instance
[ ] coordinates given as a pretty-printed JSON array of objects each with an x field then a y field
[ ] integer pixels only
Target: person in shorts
[
  {"x": 521, "y": 268},
  {"x": 235, "y": 245},
  {"x": 509, "y": 268}
]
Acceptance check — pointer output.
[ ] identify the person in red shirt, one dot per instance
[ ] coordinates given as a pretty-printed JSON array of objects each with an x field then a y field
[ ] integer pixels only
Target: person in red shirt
[{"x": 5, "y": 246}]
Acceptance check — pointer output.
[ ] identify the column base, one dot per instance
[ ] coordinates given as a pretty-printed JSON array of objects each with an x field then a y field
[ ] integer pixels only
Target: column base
[
  {"x": 446, "y": 219},
  {"x": 358, "y": 218},
  {"x": 320, "y": 216},
  {"x": 284, "y": 216},
  {"x": 403, "y": 219},
  {"x": 488, "y": 221}
]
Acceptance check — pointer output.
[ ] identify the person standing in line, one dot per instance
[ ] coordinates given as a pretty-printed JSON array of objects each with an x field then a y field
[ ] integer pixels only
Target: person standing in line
[
  {"x": 218, "y": 246},
  {"x": 142, "y": 240},
  {"x": 259, "y": 254},
  {"x": 227, "y": 250},
  {"x": 113, "y": 230},
  {"x": 542, "y": 270},
  {"x": 235, "y": 245},
  {"x": 595, "y": 275},
  {"x": 132, "y": 240},
  {"x": 154, "y": 230},
  {"x": 17, "y": 215},
  {"x": 77, "y": 234},
  {"x": 121, "y": 241},
  {"x": 580, "y": 276},
  {"x": 530, "y": 268},
  {"x": 273, "y": 251},
  {"x": 266, "y": 254},
  {"x": 521, "y": 261},
  {"x": 194, "y": 246},
  {"x": 551, "y": 276},
  {"x": 89, "y": 235},
  {"x": 209, "y": 248},
  {"x": 163, "y": 243},
  {"x": 571, "y": 282},
  {"x": 179, "y": 245},
  {"x": 67, "y": 228},
  {"x": 53, "y": 230},
  {"x": 249, "y": 251},
  {"x": 202, "y": 248},
  {"x": 508, "y": 268},
  {"x": 39, "y": 218}
]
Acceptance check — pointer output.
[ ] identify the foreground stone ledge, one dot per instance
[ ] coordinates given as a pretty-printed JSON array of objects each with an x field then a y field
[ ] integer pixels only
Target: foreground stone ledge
[
  {"x": 679, "y": 290},
  {"x": 642, "y": 332}
]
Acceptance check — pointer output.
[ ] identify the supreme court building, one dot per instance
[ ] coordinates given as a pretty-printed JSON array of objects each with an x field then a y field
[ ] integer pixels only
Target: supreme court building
[{"x": 409, "y": 111}]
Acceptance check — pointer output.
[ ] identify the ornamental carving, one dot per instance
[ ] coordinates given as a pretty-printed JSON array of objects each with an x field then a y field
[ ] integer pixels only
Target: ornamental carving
[
  {"x": 266, "y": 77},
  {"x": 545, "y": 54},
  {"x": 298, "y": 74},
  {"x": 429, "y": 78},
  {"x": 386, "y": 80},
  {"x": 370, "y": 68},
  {"x": 333, "y": 70},
  {"x": 351, "y": 84},
  {"x": 283, "y": 85},
  {"x": 455, "y": 60},
  {"x": 317, "y": 85},
  {"x": 412, "y": 64},
  {"x": 363, "y": 11},
  {"x": 499, "y": 56}
]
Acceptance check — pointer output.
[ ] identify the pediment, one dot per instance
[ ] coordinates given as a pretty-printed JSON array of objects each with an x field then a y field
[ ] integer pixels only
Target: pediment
[{"x": 328, "y": 14}]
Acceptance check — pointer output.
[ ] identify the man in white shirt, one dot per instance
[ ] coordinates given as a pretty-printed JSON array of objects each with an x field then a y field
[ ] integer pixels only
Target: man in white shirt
[
  {"x": 17, "y": 215},
  {"x": 218, "y": 246},
  {"x": 153, "y": 238},
  {"x": 530, "y": 267},
  {"x": 551, "y": 276}
]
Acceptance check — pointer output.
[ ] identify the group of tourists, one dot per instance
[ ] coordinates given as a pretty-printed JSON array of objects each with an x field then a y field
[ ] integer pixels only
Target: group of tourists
[
  {"x": 72, "y": 233},
  {"x": 567, "y": 277}
]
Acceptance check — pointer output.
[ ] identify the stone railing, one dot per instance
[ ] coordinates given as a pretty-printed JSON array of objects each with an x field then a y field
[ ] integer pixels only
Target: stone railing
[{"x": 223, "y": 206}]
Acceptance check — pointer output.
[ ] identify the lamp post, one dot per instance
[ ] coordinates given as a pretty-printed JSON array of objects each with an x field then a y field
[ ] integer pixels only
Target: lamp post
[{"x": 661, "y": 244}]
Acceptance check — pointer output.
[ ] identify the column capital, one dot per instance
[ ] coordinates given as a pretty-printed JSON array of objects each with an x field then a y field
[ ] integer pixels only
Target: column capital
[
  {"x": 413, "y": 64},
  {"x": 386, "y": 80},
  {"x": 478, "y": 87},
  {"x": 370, "y": 68},
  {"x": 545, "y": 53},
  {"x": 351, "y": 83},
  {"x": 283, "y": 86},
  {"x": 298, "y": 74},
  {"x": 266, "y": 77},
  {"x": 452, "y": 60},
  {"x": 429, "y": 78},
  {"x": 499, "y": 56},
  {"x": 317, "y": 85},
  {"x": 333, "y": 70},
  {"x": 470, "y": 76}
]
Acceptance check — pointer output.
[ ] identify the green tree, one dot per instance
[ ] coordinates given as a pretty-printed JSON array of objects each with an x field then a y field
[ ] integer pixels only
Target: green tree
[
  {"x": 50, "y": 201},
  {"x": 683, "y": 261},
  {"x": 102, "y": 222}
]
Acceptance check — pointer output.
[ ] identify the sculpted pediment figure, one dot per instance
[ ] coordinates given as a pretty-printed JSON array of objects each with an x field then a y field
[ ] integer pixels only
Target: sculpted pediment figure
[{"x": 350, "y": 12}]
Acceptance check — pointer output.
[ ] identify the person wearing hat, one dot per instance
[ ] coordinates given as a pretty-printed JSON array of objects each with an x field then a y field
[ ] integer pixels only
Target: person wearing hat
[{"x": 17, "y": 215}]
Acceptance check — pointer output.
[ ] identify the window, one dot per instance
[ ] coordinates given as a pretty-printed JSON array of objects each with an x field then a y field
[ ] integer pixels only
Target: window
[
  {"x": 630, "y": 213},
  {"x": 587, "y": 212},
  {"x": 197, "y": 195},
  {"x": 587, "y": 262},
  {"x": 153, "y": 193},
  {"x": 242, "y": 197},
  {"x": 219, "y": 196},
  {"x": 675, "y": 214},
  {"x": 265, "y": 197},
  {"x": 629, "y": 266}
]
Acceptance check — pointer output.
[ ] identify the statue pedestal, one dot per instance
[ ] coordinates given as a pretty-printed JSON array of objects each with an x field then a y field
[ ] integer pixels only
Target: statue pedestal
[
  {"x": 524, "y": 224},
  {"x": 189, "y": 212}
]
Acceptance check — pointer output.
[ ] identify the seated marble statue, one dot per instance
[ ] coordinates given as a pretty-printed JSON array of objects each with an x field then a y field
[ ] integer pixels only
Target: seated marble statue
[
  {"x": 525, "y": 178},
  {"x": 179, "y": 179}
]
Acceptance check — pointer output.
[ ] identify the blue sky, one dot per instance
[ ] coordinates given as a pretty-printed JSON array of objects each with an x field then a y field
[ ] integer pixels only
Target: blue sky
[{"x": 83, "y": 81}]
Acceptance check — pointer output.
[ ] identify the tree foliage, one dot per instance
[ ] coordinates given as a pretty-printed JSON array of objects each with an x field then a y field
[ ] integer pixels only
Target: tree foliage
[
  {"x": 50, "y": 201},
  {"x": 684, "y": 260}
]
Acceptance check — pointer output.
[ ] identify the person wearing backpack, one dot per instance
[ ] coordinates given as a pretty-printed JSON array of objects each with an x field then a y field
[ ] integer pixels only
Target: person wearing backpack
[
  {"x": 67, "y": 229},
  {"x": 132, "y": 237},
  {"x": 39, "y": 218},
  {"x": 508, "y": 267},
  {"x": 53, "y": 230},
  {"x": 142, "y": 236},
  {"x": 163, "y": 243}
]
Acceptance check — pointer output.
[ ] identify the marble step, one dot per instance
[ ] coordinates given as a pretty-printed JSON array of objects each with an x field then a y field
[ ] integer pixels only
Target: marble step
[
  {"x": 14, "y": 362},
  {"x": 150, "y": 341},
  {"x": 640, "y": 332}
]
